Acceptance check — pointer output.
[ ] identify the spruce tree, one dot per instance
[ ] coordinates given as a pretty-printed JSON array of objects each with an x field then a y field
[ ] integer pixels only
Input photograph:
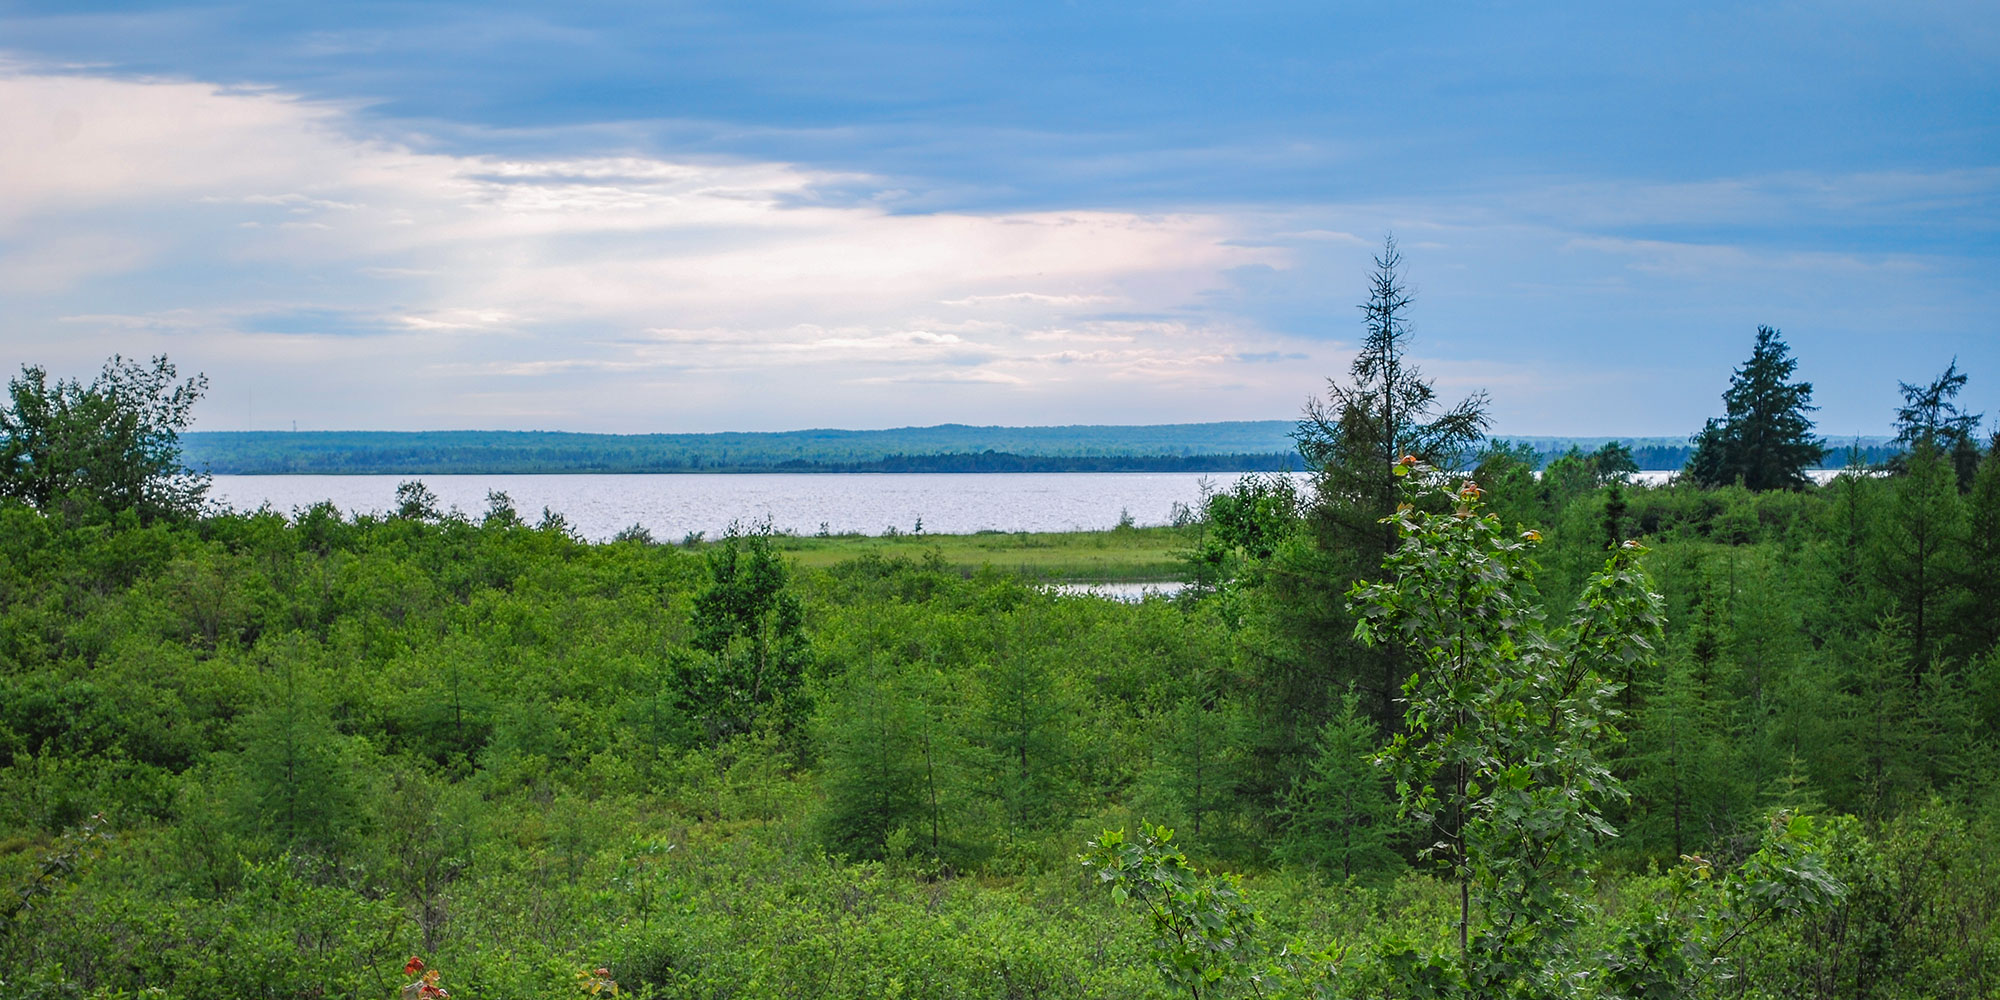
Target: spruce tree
[
  {"x": 1765, "y": 438},
  {"x": 1387, "y": 410},
  {"x": 1351, "y": 439}
]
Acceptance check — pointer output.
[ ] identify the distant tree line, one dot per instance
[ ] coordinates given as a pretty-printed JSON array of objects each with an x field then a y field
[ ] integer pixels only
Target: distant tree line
[
  {"x": 533, "y": 453},
  {"x": 993, "y": 461},
  {"x": 1240, "y": 446},
  {"x": 1654, "y": 455}
]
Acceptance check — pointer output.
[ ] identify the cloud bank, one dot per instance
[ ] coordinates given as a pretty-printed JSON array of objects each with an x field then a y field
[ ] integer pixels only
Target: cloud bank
[
  {"x": 327, "y": 267},
  {"x": 267, "y": 240}
]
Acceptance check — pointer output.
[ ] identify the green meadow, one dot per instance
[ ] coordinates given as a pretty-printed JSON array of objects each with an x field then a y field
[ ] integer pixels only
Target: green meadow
[{"x": 1117, "y": 555}]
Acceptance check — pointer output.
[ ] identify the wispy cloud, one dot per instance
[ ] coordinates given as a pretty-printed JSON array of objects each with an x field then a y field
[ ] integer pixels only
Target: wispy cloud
[
  {"x": 362, "y": 272},
  {"x": 1030, "y": 298},
  {"x": 438, "y": 271},
  {"x": 944, "y": 377}
]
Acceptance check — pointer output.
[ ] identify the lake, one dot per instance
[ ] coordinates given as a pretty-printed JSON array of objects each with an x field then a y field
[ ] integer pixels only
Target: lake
[{"x": 671, "y": 506}]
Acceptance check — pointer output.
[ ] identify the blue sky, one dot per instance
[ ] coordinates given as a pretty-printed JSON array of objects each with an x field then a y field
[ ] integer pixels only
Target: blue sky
[{"x": 759, "y": 216}]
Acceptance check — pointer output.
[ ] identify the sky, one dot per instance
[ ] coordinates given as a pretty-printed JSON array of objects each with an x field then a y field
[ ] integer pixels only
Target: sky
[{"x": 741, "y": 215}]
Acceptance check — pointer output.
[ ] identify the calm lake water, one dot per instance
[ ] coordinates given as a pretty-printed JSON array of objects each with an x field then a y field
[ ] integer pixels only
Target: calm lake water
[{"x": 671, "y": 506}]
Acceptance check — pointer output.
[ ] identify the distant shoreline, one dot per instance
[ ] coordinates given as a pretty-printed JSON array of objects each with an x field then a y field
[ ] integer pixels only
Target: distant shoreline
[
  {"x": 982, "y": 464},
  {"x": 1233, "y": 447}
]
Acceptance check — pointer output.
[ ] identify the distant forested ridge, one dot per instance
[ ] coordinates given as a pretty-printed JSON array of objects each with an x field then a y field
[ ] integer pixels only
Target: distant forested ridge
[
  {"x": 1669, "y": 454},
  {"x": 1243, "y": 446},
  {"x": 1237, "y": 446}
]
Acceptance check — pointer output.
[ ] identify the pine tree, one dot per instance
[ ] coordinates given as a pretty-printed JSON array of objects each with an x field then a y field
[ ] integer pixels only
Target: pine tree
[
  {"x": 1765, "y": 438},
  {"x": 1200, "y": 744},
  {"x": 1338, "y": 814},
  {"x": 1918, "y": 548},
  {"x": 874, "y": 742},
  {"x": 1979, "y": 627},
  {"x": 1350, "y": 440},
  {"x": 1930, "y": 416}
]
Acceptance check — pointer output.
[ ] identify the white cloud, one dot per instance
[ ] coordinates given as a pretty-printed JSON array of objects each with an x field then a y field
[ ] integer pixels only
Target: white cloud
[
  {"x": 1324, "y": 236},
  {"x": 946, "y": 376},
  {"x": 58, "y": 262},
  {"x": 1030, "y": 298},
  {"x": 217, "y": 223},
  {"x": 348, "y": 280}
]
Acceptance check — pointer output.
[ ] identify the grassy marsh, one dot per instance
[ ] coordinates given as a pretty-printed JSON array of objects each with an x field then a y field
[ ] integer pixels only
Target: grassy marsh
[{"x": 1120, "y": 554}]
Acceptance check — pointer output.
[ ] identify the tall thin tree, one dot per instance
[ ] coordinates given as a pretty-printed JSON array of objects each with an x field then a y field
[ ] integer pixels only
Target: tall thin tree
[{"x": 1351, "y": 439}]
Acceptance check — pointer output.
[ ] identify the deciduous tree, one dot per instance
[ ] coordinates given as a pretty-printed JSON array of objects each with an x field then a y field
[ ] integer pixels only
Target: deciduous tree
[
  {"x": 112, "y": 444},
  {"x": 1503, "y": 719},
  {"x": 752, "y": 623}
]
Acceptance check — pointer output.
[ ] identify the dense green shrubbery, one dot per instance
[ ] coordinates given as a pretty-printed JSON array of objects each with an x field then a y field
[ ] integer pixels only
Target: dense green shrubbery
[{"x": 319, "y": 745}]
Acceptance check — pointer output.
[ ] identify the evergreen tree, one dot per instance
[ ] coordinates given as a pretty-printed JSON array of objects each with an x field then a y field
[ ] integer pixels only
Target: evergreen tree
[
  {"x": 1338, "y": 814},
  {"x": 873, "y": 750},
  {"x": 1198, "y": 762},
  {"x": 1848, "y": 599},
  {"x": 1387, "y": 410},
  {"x": 1506, "y": 471},
  {"x": 1979, "y": 627},
  {"x": 1918, "y": 548},
  {"x": 1679, "y": 763},
  {"x": 1351, "y": 440},
  {"x": 1765, "y": 438},
  {"x": 296, "y": 774},
  {"x": 1930, "y": 413},
  {"x": 1023, "y": 730},
  {"x": 1930, "y": 416},
  {"x": 1949, "y": 746}
]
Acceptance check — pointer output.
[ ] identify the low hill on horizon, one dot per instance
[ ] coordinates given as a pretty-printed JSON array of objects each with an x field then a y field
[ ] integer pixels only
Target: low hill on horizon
[{"x": 1231, "y": 446}]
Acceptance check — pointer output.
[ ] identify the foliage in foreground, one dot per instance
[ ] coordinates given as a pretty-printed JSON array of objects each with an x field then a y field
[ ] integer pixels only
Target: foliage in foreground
[
  {"x": 1500, "y": 759},
  {"x": 268, "y": 755}
]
